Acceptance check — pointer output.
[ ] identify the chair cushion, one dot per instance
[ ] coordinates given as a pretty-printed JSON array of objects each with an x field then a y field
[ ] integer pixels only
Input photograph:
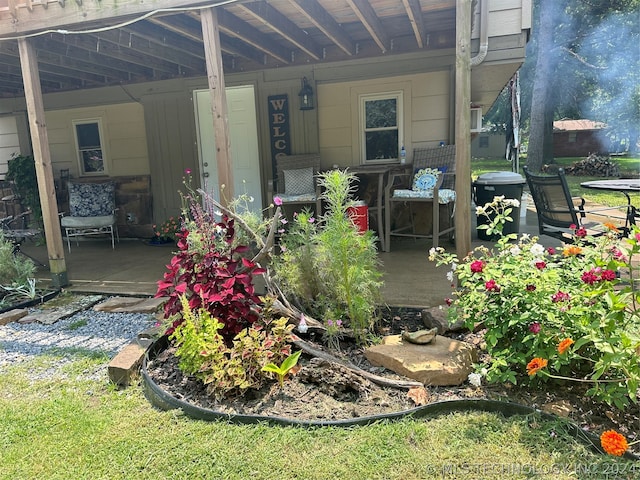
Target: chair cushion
[
  {"x": 299, "y": 182},
  {"x": 91, "y": 199},
  {"x": 88, "y": 222},
  {"x": 425, "y": 179},
  {"x": 444, "y": 195}
]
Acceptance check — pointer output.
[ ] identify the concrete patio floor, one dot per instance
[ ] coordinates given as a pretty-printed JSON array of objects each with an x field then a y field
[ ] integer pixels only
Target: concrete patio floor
[{"x": 133, "y": 267}]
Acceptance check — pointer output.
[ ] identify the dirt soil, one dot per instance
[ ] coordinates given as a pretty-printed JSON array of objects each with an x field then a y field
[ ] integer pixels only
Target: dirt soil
[{"x": 323, "y": 391}]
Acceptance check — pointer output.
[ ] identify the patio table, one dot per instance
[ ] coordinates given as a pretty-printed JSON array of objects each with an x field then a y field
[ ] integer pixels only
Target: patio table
[{"x": 624, "y": 185}]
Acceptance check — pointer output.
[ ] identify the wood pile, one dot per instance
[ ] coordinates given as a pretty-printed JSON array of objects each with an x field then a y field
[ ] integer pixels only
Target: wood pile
[{"x": 595, "y": 165}]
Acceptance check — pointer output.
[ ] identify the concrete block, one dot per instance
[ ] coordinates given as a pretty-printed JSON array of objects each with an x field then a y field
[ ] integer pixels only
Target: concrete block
[{"x": 125, "y": 366}]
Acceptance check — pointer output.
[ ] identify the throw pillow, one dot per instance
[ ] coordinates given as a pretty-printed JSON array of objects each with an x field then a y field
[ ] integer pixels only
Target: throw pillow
[
  {"x": 299, "y": 181},
  {"x": 91, "y": 199},
  {"x": 425, "y": 179}
]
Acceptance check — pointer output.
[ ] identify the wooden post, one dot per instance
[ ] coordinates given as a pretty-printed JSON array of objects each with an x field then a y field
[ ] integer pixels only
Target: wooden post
[
  {"x": 215, "y": 76},
  {"x": 42, "y": 156},
  {"x": 462, "y": 131}
]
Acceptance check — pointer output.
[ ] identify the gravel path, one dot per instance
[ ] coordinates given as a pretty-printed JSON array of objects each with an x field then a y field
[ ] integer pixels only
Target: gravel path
[{"x": 88, "y": 330}]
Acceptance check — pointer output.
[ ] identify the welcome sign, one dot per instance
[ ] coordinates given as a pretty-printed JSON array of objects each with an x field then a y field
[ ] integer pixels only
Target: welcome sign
[{"x": 280, "y": 136}]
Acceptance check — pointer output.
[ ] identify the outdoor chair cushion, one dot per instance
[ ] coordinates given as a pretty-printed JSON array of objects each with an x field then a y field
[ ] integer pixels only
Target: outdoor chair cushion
[
  {"x": 423, "y": 183},
  {"x": 91, "y": 199},
  {"x": 88, "y": 222}
]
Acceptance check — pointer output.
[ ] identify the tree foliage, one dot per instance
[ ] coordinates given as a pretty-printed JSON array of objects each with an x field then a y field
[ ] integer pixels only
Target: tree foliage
[{"x": 583, "y": 61}]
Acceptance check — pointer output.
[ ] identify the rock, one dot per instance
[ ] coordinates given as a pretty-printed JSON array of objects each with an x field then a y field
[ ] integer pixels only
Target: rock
[
  {"x": 130, "y": 305},
  {"x": 562, "y": 408},
  {"x": 436, "y": 317},
  {"x": 421, "y": 337},
  {"x": 126, "y": 364},
  {"x": 13, "y": 315},
  {"x": 443, "y": 362}
]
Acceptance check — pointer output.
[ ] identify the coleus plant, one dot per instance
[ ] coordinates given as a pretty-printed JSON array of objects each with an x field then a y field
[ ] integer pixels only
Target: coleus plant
[{"x": 211, "y": 271}]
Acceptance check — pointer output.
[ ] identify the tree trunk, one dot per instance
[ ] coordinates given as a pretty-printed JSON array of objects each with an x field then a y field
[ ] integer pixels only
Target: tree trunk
[{"x": 540, "y": 149}]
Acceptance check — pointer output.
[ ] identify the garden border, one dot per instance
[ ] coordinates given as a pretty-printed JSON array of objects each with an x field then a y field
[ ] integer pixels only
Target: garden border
[
  {"x": 30, "y": 303},
  {"x": 162, "y": 400}
]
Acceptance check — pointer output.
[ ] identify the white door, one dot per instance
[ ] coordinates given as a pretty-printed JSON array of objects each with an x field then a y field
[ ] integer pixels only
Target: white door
[{"x": 243, "y": 130}]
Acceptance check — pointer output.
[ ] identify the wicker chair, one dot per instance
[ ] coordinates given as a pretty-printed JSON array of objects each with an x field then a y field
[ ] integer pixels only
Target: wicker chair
[{"x": 432, "y": 177}]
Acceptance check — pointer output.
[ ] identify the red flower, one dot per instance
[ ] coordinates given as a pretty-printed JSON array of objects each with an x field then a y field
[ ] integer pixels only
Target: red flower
[
  {"x": 581, "y": 232},
  {"x": 560, "y": 296},
  {"x": 589, "y": 277},
  {"x": 531, "y": 288},
  {"x": 613, "y": 443},
  {"x": 492, "y": 286},
  {"x": 535, "y": 328},
  {"x": 608, "y": 275},
  {"x": 540, "y": 265},
  {"x": 477, "y": 266},
  {"x": 448, "y": 301},
  {"x": 551, "y": 251}
]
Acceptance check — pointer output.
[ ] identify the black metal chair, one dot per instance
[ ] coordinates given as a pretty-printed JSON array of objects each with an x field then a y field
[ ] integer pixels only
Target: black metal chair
[
  {"x": 16, "y": 230},
  {"x": 558, "y": 211}
]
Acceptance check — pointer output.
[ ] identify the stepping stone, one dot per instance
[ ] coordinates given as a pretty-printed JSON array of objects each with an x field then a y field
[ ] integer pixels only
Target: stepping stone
[
  {"x": 130, "y": 305},
  {"x": 13, "y": 315},
  {"x": 443, "y": 362},
  {"x": 125, "y": 366}
]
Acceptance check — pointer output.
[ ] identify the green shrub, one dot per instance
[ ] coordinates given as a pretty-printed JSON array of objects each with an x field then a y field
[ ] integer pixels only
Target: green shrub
[{"x": 22, "y": 171}]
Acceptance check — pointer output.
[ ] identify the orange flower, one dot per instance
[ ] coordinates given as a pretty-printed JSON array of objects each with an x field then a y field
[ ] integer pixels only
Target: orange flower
[
  {"x": 613, "y": 443},
  {"x": 571, "y": 250},
  {"x": 610, "y": 226},
  {"x": 564, "y": 345},
  {"x": 535, "y": 365}
]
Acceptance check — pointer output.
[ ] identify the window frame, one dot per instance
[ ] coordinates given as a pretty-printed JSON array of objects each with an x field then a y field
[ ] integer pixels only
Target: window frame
[
  {"x": 79, "y": 156},
  {"x": 398, "y": 96}
]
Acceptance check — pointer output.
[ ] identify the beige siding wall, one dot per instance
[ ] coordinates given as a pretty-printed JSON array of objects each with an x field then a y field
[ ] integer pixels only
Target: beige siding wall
[
  {"x": 506, "y": 17},
  {"x": 9, "y": 142},
  {"x": 426, "y": 117},
  {"x": 124, "y": 139}
]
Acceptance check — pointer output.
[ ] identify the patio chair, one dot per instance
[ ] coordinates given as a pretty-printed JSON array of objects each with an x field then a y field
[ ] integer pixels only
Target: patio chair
[
  {"x": 558, "y": 211},
  {"x": 296, "y": 181},
  {"x": 428, "y": 186},
  {"x": 92, "y": 211},
  {"x": 16, "y": 230}
]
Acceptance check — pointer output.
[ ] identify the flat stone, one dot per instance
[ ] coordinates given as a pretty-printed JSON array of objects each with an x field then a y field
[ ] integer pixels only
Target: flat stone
[
  {"x": 436, "y": 317},
  {"x": 125, "y": 366},
  {"x": 443, "y": 362},
  {"x": 562, "y": 408},
  {"x": 130, "y": 305},
  {"x": 13, "y": 315},
  {"x": 46, "y": 317}
]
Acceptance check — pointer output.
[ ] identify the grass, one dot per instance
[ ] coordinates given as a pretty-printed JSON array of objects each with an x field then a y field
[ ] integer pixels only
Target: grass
[
  {"x": 69, "y": 426},
  {"x": 628, "y": 166}
]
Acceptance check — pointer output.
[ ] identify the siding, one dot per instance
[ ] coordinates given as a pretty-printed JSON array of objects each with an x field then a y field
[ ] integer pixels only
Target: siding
[{"x": 9, "y": 142}]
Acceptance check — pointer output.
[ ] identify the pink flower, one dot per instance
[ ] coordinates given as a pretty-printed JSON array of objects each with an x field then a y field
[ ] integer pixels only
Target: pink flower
[
  {"x": 573, "y": 226},
  {"x": 540, "y": 265},
  {"x": 608, "y": 275},
  {"x": 187, "y": 171},
  {"x": 448, "y": 301},
  {"x": 277, "y": 201},
  {"x": 637, "y": 237},
  {"x": 551, "y": 251},
  {"x": 311, "y": 220},
  {"x": 560, "y": 297},
  {"x": 492, "y": 286},
  {"x": 581, "y": 232},
  {"x": 477, "y": 266},
  {"x": 535, "y": 328},
  {"x": 589, "y": 277}
]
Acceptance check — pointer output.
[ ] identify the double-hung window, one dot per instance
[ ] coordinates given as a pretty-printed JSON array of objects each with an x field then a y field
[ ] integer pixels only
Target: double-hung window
[
  {"x": 381, "y": 120},
  {"x": 89, "y": 147}
]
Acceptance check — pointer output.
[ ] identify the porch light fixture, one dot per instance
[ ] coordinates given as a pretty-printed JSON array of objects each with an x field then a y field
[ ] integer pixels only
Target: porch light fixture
[{"x": 306, "y": 95}]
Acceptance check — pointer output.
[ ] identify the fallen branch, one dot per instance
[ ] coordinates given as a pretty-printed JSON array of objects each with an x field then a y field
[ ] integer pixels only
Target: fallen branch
[{"x": 382, "y": 381}]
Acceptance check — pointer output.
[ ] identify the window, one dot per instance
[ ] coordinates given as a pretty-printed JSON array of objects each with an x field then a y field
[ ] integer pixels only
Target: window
[
  {"x": 483, "y": 142},
  {"x": 89, "y": 147},
  {"x": 573, "y": 136},
  {"x": 381, "y": 118}
]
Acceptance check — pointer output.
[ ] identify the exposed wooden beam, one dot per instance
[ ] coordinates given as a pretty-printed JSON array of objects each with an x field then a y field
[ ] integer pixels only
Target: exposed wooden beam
[
  {"x": 161, "y": 36},
  {"x": 322, "y": 20},
  {"x": 183, "y": 25},
  {"x": 42, "y": 156},
  {"x": 215, "y": 77},
  {"x": 233, "y": 26},
  {"x": 414, "y": 12},
  {"x": 367, "y": 15},
  {"x": 235, "y": 47},
  {"x": 275, "y": 20}
]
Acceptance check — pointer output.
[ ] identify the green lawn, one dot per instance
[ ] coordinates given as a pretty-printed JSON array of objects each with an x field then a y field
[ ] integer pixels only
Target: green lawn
[
  {"x": 63, "y": 425},
  {"x": 628, "y": 166}
]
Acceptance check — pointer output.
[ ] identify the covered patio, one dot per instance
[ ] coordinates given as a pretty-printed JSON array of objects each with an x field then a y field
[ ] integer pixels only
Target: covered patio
[{"x": 134, "y": 267}]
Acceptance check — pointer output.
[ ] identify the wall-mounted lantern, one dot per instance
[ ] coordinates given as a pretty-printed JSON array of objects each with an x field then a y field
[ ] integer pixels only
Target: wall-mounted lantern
[{"x": 306, "y": 96}]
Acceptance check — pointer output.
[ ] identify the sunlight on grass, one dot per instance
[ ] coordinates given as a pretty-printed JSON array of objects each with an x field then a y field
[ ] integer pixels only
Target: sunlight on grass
[{"x": 70, "y": 427}]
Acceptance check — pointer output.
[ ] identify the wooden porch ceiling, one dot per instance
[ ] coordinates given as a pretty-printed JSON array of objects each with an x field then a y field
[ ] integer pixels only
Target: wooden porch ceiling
[{"x": 124, "y": 49}]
